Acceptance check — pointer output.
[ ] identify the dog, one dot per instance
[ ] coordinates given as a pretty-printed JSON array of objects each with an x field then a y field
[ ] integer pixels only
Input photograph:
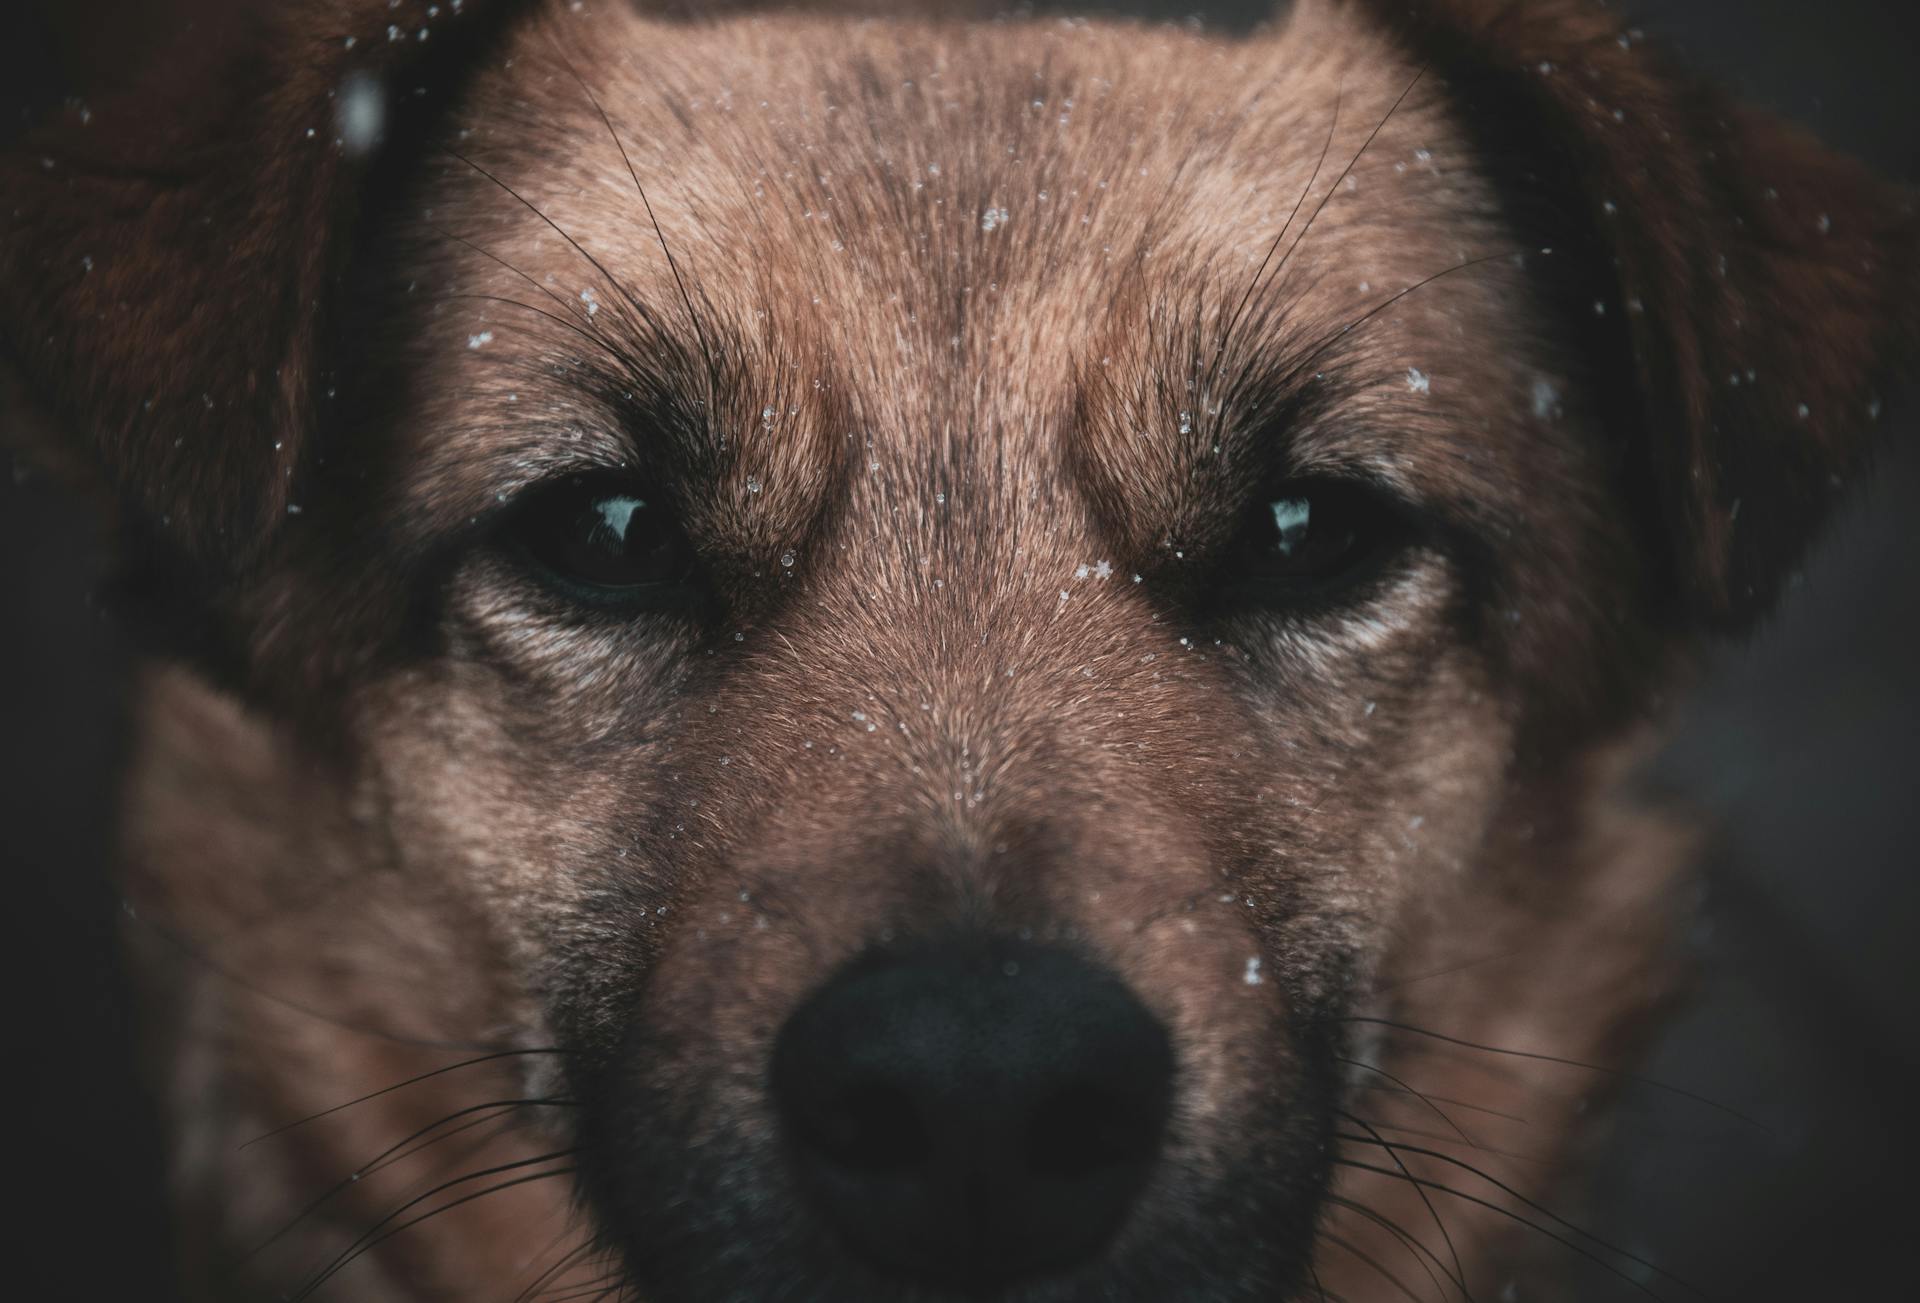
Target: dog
[{"x": 841, "y": 654}]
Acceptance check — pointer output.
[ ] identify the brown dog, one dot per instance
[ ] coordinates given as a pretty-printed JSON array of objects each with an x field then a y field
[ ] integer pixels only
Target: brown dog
[{"x": 857, "y": 658}]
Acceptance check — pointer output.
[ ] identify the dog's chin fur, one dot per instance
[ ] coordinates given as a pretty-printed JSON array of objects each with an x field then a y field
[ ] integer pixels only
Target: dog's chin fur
[{"x": 961, "y": 353}]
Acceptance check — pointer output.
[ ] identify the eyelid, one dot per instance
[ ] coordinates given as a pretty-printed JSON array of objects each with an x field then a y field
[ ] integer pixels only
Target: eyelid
[
  {"x": 612, "y": 481},
  {"x": 458, "y": 502},
  {"x": 1349, "y": 475},
  {"x": 596, "y": 485}
]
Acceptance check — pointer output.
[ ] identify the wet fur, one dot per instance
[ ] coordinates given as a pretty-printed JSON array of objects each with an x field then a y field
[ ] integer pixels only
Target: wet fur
[{"x": 963, "y": 486}]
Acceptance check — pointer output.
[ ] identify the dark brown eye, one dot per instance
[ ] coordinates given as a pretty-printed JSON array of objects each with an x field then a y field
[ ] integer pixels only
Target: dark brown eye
[
  {"x": 605, "y": 543},
  {"x": 1307, "y": 539}
]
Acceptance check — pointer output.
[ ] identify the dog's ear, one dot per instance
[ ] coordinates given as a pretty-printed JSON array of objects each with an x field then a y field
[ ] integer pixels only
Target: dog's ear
[
  {"x": 171, "y": 235},
  {"x": 1755, "y": 286}
]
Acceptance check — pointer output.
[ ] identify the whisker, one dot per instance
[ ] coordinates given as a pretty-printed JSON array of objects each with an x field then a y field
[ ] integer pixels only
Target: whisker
[
  {"x": 1617, "y": 1073},
  {"x": 1406, "y": 1238},
  {"x": 351, "y": 1254},
  {"x": 1391, "y": 1089},
  {"x": 1340, "y": 1242},
  {"x": 618, "y": 285},
  {"x": 1326, "y": 1295},
  {"x": 596, "y": 340},
  {"x": 538, "y": 1287},
  {"x": 369, "y": 1238},
  {"x": 686, "y": 299},
  {"x": 1328, "y": 340},
  {"x": 1452, "y": 1252},
  {"x": 1572, "y": 1246},
  {"x": 1439, "y": 1112},
  {"x": 494, "y": 1057},
  {"x": 1537, "y": 1207},
  {"x": 392, "y": 1154},
  {"x": 596, "y": 1288},
  {"x": 1439, "y": 1138},
  {"x": 353, "y": 1179},
  {"x": 1233, "y": 321},
  {"x": 493, "y": 257},
  {"x": 1353, "y": 162}
]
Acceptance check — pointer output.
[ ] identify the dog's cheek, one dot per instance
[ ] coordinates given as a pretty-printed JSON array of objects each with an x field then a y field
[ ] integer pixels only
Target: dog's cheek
[
  {"x": 1392, "y": 733},
  {"x": 521, "y": 801}
]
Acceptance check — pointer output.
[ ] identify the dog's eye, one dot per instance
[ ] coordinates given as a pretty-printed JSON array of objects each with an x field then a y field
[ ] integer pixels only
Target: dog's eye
[
  {"x": 605, "y": 543},
  {"x": 1306, "y": 539}
]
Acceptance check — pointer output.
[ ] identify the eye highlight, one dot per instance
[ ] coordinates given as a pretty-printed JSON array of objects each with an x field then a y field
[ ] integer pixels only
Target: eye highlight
[
  {"x": 1292, "y": 525},
  {"x": 604, "y": 542},
  {"x": 1311, "y": 540}
]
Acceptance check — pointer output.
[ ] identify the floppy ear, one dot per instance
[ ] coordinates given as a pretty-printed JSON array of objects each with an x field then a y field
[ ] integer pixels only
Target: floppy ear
[
  {"x": 1755, "y": 285},
  {"x": 169, "y": 248}
]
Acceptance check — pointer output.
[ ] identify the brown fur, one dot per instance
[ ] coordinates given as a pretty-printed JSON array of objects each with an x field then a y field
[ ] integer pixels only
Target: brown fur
[{"x": 964, "y": 486}]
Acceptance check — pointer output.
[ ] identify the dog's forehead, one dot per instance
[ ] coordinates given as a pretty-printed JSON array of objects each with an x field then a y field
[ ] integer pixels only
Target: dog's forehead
[{"x": 911, "y": 230}]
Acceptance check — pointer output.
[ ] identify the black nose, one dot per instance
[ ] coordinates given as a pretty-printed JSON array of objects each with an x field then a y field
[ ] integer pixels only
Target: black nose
[{"x": 973, "y": 1114}]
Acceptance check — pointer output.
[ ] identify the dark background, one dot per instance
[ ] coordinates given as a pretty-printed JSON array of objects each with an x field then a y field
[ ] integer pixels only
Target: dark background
[{"x": 1803, "y": 743}]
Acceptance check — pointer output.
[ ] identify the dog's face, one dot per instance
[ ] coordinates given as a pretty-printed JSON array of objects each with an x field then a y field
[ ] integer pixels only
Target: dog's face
[
  {"x": 927, "y": 623},
  {"x": 950, "y": 586}
]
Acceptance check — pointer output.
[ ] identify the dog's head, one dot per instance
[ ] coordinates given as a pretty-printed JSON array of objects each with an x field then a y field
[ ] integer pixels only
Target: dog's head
[{"x": 944, "y": 611}]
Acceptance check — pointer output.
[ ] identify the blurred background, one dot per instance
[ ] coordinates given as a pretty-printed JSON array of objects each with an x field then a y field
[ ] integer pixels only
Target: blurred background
[{"x": 1802, "y": 744}]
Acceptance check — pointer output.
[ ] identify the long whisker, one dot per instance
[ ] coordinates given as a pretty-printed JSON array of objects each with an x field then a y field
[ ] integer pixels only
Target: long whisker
[
  {"x": 686, "y": 299},
  {"x": 1565, "y": 1242},
  {"x": 1535, "y": 1206},
  {"x": 393, "y": 1153},
  {"x": 1341, "y": 1243},
  {"x": 1449, "y": 1100},
  {"x": 597, "y": 1288},
  {"x": 495, "y": 258},
  {"x": 1438, "y": 1112},
  {"x": 1603, "y": 1070},
  {"x": 372, "y": 1236},
  {"x": 1459, "y": 1272},
  {"x": 349, "y": 1255},
  {"x": 1327, "y": 341},
  {"x": 557, "y": 320},
  {"x": 494, "y": 1057},
  {"x": 1421, "y": 1252},
  {"x": 538, "y": 1287},
  {"x": 618, "y": 285},
  {"x": 1233, "y": 321},
  {"x": 1345, "y": 172},
  {"x": 1440, "y": 1138}
]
